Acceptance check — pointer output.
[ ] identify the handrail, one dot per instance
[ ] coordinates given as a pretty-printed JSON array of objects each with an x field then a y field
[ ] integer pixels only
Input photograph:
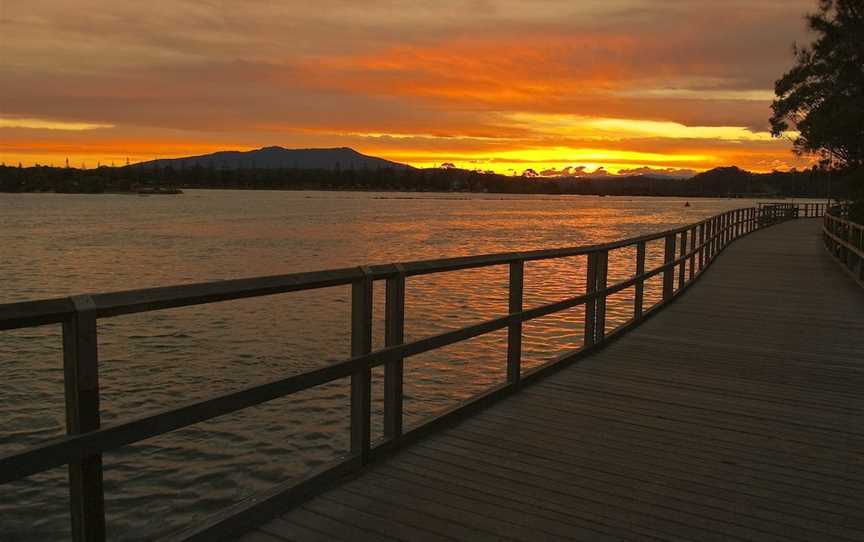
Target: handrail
[
  {"x": 844, "y": 240},
  {"x": 86, "y": 441}
]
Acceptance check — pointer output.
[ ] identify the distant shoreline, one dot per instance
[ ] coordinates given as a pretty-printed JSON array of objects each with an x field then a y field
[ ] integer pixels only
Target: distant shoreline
[
  {"x": 728, "y": 182},
  {"x": 441, "y": 192}
]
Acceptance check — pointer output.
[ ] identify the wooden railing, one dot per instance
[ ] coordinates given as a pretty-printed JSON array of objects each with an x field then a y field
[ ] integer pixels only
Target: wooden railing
[
  {"x": 844, "y": 240},
  {"x": 688, "y": 251}
]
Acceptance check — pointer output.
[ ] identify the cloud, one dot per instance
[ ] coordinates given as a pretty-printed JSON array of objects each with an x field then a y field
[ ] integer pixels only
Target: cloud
[
  {"x": 666, "y": 173},
  {"x": 602, "y": 173},
  {"x": 43, "y": 124},
  {"x": 458, "y": 79}
]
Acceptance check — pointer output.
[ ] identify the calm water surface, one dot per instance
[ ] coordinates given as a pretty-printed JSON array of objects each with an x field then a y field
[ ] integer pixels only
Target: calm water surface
[{"x": 57, "y": 245}]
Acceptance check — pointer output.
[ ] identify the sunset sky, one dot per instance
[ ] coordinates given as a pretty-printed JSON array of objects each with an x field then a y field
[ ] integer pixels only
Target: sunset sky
[{"x": 491, "y": 84}]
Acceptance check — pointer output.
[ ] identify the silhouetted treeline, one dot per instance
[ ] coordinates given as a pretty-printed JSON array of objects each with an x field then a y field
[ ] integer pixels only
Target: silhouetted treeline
[
  {"x": 66, "y": 180},
  {"x": 718, "y": 182}
]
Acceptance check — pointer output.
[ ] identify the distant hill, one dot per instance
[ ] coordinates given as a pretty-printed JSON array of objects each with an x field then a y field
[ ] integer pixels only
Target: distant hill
[
  {"x": 277, "y": 158},
  {"x": 733, "y": 180}
]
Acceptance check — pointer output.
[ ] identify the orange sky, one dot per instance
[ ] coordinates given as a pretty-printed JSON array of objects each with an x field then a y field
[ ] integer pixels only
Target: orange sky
[{"x": 504, "y": 85}]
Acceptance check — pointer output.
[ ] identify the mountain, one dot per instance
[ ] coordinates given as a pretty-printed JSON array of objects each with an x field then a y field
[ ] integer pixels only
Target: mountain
[
  {"x": 277, "y": 158},
  {"x": 735, "y": 180}
]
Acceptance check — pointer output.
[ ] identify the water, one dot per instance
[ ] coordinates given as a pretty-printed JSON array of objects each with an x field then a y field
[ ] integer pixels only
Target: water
[{"x": 57, "y": 245}]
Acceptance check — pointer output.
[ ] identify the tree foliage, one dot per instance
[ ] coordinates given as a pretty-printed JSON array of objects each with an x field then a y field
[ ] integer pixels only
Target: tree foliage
[{"x": 822, "y": 96}]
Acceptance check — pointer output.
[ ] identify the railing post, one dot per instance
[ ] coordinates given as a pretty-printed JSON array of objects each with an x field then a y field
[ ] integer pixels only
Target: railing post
[
  {"x": 669, "y": 270},
  {"x": 712, "y": 228},
  {"x": 591, "y": 304},
  {"x": 514, "y": 330},
  {"x": 727, "y": 228},
  {"x": 860, "y": 259},
  {"x": 394, "y": 334},
  {"x": 683, "y": 269},
  {"x": 708, "y": 241},
  {"x": 81, "y": 380},
  {"x": 602, "y": 274},
  {"x": 702, "y": 245},
  {"x": 639, "y": 295},
  {"x": 361, "y": 381},
  {"x": 733, "y": 225},
  {"x": 719, "y": 232},
  {"x": 715, "y": 237},
  {"x": 847, "y": 231},
  {"x": 693, "y": 253}
]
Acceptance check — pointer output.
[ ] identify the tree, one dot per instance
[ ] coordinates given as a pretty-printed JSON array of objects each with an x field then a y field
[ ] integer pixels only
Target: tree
[{"x": 821, "y": 99}]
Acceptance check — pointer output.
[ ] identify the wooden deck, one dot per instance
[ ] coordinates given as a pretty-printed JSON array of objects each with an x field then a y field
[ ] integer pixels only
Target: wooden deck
[{"x": 737, "y": 413}]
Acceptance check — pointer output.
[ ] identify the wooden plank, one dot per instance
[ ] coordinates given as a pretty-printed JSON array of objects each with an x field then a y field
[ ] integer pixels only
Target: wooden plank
[
  {"x": 260, "y": 536},
  {"x": 649, "y": 451},
  {"x": 645, "y": 508},
  {"x": 451, "y": 508},
  {"x": 431, "y": 524},
  {"x": 618, "y": 475},
  {"x": 774, "y": 455},
  {"x": 637, "y": 525},
  {"x": 362, "y": 516},
  {"x": 307, "y": 525},
  {"x": 543, "y": 518}
]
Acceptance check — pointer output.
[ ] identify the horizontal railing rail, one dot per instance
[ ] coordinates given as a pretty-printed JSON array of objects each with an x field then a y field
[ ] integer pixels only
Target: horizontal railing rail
[
  {"x": 844, "y": 240},
  {"x": 690, "y": 248}
]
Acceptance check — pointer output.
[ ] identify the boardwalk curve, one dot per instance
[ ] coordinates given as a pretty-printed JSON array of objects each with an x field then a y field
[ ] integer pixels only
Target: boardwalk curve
[{"x": 737, "y": 413}]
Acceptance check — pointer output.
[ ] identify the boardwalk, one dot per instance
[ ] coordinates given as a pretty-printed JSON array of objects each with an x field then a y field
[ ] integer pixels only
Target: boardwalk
[{"x": 737, "y": 413}]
